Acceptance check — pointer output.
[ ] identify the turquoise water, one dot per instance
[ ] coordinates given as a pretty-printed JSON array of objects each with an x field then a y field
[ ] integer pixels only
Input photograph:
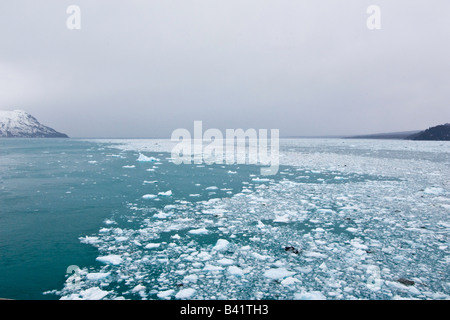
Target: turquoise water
[{"x": 66, "y": 202}]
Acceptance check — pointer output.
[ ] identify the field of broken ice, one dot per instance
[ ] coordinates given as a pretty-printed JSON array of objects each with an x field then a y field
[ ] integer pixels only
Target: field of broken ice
[{"x": 342, "y": 219}]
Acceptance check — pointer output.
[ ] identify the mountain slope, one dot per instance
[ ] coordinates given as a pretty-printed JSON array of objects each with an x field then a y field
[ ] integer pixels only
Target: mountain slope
[
  {"x": 441, "y": 133},
  {"x": 19, "y": 124}
]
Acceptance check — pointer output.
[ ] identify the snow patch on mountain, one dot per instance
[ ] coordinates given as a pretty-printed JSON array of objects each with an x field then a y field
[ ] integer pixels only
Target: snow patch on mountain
[{"x": 19, "y": 124}]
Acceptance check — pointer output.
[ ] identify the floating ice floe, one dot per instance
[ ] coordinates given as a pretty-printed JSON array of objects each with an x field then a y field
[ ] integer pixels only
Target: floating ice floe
[
  {"x": 89, "y": 240},
  {"x": 221, "y": 244},
  {"x": 434, "y": 190},
  {"x": 144, "y": 158},
  {"x": 93, "y": 293},
  {"x": 289, "y": 281},
  {"x": 152, "y": 245},
  {"x": 313, "y": 295},
  {"x": 166, "y": 294},
  {"x": 199, "y": 231},
  {"x": 282, "y": 219},
  {"x": 110, "y": 259},
  {"x": 95, "y": 276},
  {"x": 185, "y": 293},
  {"x": 278, "y": 273},
  {"x": 225, "y": 262},
  {"x": 149, "y": 196},
  {"x": 236, "y": 271}
]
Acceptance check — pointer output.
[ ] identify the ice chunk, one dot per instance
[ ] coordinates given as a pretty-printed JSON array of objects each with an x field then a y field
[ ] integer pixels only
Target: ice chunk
[
  {"x": 313, "y": 295},
  {"x": 190, "y": 278},
  {"x": 210, "y": 267},
  {"x": 185, "y": 293},
  {"x": 90, "y": 240},
  {"x": 95, "y": 276},
  {"x": 149, "y": 196},
  {"x": 93, "y": 293},
  {"x": 236, "y": 271},
  {"x": 152, "y": 245},
  {"x": 313, "y": 254},
  {"x": 221, "y": 245},
  {"x": 284, "y": 218},
  {"x": 278, "y": 273},
  {"x": 165, "y": 194},
  {"x": 165, "y": 294},
  {"x": 433, "y": 190},
  {"x": 110, "y": 259},
  {"x": 144, "y": 158},
  {"x": 225, "y": 262},
  {"x": 138, "y": 288},
  {"x": 199, "y": 231},
  {"x": 289, "y": 281}
]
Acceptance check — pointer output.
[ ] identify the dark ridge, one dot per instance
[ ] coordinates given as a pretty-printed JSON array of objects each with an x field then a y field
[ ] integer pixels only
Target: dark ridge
[{"x": 437, "y": 133}]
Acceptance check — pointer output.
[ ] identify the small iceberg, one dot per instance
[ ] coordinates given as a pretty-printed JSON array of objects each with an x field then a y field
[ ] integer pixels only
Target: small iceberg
[
  {"x": 149, "y": 196},
  {"x": 110, "y": 259},
  {"x": 198, "y": 231},
  {"x": 144, "y": 158},
  {"x": 278, "y": 273}
]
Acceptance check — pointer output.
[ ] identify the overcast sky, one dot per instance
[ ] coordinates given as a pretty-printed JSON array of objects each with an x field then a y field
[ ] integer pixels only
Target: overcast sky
[{"x": 144, "y": 68}]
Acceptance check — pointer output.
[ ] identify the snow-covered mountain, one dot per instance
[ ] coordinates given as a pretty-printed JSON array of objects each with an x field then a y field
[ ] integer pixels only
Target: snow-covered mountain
[{"x": 19, "y": 124}]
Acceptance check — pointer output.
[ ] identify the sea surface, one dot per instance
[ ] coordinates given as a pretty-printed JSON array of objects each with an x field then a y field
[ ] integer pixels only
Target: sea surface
[{"x": 117, "y": 219}]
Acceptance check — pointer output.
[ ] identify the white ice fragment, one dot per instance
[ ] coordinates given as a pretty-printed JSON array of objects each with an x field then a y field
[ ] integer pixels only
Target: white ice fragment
[
  {"x": 313, "y": 295},
  {"x": 94, "y": 293},
  {"x": 165, "y": 294},
  {"x": 221, "y": 245},
  {"x": 284, "y": 218},
  {"x": 210, "y": 267},
  {"x": 110, "y": 259},
  {"x": 152, "y": 245},
  {"x": 185, "y": 293},
  {"x": 225, "y": 262},
  {"x": 313, "y": 254},
  {"x": 149, "y": 196},
  {"x": 433, "y": 190},
  {"x": 278, "y": 273},
  {"x": 138, "y": 288},
  {"x": 90, "y": 240},
  {"x": 199, "y": 231},
  {"x": 357, "y": 244},
  {"x": 190, "y": 278},
  {"x": 144, "y": 158},
  {"x": 236, "y": 271},
  {"x": 289, "y": 281},
  {"x": 95, "y": 276}
]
